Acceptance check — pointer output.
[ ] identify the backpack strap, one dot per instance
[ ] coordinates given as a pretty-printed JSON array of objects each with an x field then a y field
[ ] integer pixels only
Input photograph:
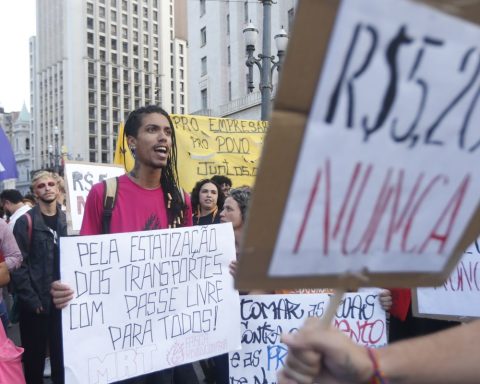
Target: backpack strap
[
  {"x": 109, "y": 198},
  {"x": 29, "y": 229}
]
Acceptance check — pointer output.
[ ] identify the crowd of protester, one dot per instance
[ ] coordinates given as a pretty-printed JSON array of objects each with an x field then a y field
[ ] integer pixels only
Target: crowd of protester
[{"x": 150, "y": 197}]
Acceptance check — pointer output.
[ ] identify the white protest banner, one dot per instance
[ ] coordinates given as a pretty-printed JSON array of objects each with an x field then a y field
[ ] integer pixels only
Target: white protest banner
[
  {"x": 264, "y": 318},
  {"x": 146, "y": 301},
  {"x": 387, "y": 179},
  {"x": 79, "y": 179},
  {"x": 459, "y": 296}
]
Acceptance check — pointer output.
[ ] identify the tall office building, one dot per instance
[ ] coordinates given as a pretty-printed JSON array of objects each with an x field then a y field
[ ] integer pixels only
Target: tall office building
[
  {"x": 217, "y": 54},
  {"x": 94, "y": 61}
]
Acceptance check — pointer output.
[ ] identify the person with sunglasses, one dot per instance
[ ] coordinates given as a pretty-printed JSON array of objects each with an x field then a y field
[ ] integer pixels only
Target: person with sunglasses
[{"x": 37, "y": 237}]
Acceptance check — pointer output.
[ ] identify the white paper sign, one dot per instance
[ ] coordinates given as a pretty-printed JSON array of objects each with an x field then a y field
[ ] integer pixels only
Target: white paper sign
[
  {"x": 80, "y": 177},
  {"x": 460, "y": 294},
  {"x": 264, "y": 318},
  {"x": 146, "y": 301},
  {"x": 388, "y": 176}
]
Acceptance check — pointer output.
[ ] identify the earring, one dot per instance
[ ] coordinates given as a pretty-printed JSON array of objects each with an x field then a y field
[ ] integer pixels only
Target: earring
[{"x": 132, "y": 150}]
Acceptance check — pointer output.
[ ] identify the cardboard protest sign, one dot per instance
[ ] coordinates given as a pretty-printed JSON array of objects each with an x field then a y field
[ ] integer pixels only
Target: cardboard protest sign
[
  {"x": 209, "y": 146},
  {"x": 147, "y": 301},
  {"x": 79, "y": 179},
  {"x": 371, "y": 152},
  {"x": 458, "y": 297},
  {"x": 264, "y": 319}
]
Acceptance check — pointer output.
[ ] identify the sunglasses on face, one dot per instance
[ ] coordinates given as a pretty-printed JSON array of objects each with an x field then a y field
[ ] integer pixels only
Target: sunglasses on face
[{"x": 43, "y": 185}]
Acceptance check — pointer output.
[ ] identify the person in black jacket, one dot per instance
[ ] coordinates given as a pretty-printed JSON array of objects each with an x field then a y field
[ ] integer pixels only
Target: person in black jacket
[{"x": 38, "y": 239}]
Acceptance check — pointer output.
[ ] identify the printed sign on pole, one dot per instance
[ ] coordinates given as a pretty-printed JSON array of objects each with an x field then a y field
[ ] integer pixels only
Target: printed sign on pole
[{"x": 370, "y": 174}]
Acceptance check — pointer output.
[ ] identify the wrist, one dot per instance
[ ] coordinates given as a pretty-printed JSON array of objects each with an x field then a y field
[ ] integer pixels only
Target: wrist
[{"x": 376, "y": 375}]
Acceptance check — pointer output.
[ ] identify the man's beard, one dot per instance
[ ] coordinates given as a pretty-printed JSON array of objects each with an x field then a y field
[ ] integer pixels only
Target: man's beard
[{"x": 47, "y": 200}]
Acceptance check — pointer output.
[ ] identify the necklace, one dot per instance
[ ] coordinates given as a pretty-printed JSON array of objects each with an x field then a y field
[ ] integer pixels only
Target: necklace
[{"x": 136, "y": 180}]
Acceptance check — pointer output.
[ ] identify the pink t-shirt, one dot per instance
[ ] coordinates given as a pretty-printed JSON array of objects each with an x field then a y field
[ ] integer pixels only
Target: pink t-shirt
[{"x": 136, "y": 209}]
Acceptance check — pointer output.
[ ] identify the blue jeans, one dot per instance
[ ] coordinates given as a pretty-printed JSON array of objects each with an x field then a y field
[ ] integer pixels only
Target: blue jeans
[{"x": 4, "y": 314}]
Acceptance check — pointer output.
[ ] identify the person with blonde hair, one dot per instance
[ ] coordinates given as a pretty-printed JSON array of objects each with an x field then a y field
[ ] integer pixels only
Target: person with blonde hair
[{"x": 37, "y": 233}]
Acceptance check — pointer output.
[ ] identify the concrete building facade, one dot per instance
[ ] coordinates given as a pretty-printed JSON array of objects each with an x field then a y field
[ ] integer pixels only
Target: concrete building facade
[
  {"x": 94, "y": 61},
  {"x": 217, "y": 55}
]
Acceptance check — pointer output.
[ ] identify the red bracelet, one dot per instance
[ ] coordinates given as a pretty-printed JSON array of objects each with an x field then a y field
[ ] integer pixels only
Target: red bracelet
[{"x": 377, "y": 377}]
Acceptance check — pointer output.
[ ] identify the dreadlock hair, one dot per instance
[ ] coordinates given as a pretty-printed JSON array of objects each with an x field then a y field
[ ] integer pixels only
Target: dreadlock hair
[
  {"x": 195, "y": 197},
  {"x": 176, "y": 207}
]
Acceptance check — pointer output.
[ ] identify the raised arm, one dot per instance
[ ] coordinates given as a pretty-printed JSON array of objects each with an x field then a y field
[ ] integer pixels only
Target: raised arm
[{"x": 449, "y": 356}]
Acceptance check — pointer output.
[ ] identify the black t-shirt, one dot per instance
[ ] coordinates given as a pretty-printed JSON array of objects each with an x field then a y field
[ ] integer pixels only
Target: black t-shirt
[
  {"x": 211, "y": 218},
  {"x": 51, "y": 221}
]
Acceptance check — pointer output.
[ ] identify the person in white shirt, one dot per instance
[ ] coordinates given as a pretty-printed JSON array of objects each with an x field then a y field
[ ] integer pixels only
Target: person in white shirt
[{"x": 12, "y": 202}]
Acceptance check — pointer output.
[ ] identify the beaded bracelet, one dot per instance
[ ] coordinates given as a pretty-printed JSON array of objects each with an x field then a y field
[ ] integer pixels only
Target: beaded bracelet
[{"x": 377, "y": 377}]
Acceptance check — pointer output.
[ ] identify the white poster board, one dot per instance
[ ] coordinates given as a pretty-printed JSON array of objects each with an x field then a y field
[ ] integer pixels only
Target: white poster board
[
  {"x": 387, "y": 178},
  {"x": 264, "y": 318},
  {"x": 79, "y": 179},
  {"x": 146, "y": 301},
  {"x": 459, "y": 296}
]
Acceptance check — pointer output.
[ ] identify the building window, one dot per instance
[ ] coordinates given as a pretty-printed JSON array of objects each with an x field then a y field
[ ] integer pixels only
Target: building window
[
  {"x": 90, "y": 38},
  {"x": 89, "y": 23},
  {"x": 204, "y": 95},
  {"x": 203, "y": 36},
  {"x": 229, "y": 91},
  {"x": 27, "y": 144},
  {"x": 228, "y": 55},
  {"x": 228, "y": 24},
  {"x": 203, "y": 7},
  {"x": 245, "y": 11}
]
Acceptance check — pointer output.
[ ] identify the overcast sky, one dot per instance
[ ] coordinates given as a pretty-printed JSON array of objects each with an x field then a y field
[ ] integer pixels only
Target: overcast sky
[{"x": 17, "y": 25}]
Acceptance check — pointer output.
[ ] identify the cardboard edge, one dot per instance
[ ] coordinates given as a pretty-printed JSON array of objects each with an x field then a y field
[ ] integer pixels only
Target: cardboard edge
[
  {"x": 300, "y": 71},
  {"x": 276, "y": 169}
]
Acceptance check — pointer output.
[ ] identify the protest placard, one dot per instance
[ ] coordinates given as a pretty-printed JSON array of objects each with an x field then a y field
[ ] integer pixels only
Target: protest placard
[
  {"x": 146, "y": 301},
  {"x": 264, "y": 319},
  {"x": 209, "y": 146},
  {"x": 458, "y": 297},
  {"x": 79, "y": 179},
  {"x": 373, "y": 166}
]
